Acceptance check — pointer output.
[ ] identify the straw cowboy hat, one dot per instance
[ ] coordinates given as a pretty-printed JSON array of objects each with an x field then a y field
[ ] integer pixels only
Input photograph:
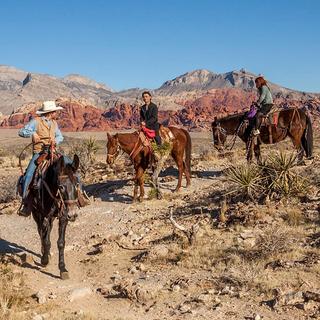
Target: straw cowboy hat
[{"x": 48, "y": 106}]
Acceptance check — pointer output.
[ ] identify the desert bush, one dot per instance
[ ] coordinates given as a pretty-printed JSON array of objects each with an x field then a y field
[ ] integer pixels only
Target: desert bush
[
  {"x": 8, "y": 189},
  {"x": 87, "y": 151},
  {"x": 273, "y": 241},
  {"x": 247, "y": 180},
  {"x": 276, "y": 178},
  {"x": 12, "y": 295},
  {"x": 282, "y": 179},
  {"x": 162, "y": 150}
]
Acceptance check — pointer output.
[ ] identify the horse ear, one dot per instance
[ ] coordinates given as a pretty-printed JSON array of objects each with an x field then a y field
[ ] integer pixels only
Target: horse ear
[
  {"x": 76, "y": 162},
  {"x": 60, "y": 164},
  {"x": 108, "y": 135}
]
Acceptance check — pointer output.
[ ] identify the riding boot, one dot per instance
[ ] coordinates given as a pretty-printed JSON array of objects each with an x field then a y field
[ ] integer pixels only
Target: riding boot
[
  {"x": 158, "y": 138},
  {"x": 25, "y": 207},
  {"x": 257, "y": 124}
]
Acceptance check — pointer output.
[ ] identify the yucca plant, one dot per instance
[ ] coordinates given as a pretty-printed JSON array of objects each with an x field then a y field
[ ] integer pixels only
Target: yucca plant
[
  {"x": 281, "y": 177},
  {"x": 247, "y": 180},
  {"x": 163, "y": 149},
  {"x": 86, "y": 150}
]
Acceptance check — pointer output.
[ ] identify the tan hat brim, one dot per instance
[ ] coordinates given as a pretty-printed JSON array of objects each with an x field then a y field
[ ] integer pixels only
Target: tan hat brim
[{"x": 47, "y": 111}]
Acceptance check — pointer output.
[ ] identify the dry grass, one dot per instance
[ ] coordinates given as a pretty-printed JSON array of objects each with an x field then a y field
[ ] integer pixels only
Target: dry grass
[
  {"x": 87, "y": 151},
  {"x": 13, "y": 296}
]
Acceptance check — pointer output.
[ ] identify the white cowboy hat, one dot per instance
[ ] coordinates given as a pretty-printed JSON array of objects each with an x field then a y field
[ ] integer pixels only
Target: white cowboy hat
[{"x": 48, "y": 106}]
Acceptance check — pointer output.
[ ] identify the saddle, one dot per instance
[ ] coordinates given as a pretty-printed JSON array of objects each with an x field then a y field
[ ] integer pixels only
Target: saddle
[
  {"x": 272, "y": 117},
  {"x": 146, "y": 141},
  {"x": 43, "y": 162}
]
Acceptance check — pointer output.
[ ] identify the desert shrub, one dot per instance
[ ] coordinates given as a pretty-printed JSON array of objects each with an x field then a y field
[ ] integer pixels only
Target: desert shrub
[
  {"x": 162, "y": 150},
  {"x": 282, "y": 179},
  {"x": 12, "y": 295},
  {"x": 8, "y": 189},
  {"x": 86, "y": 151},
  {"x": 276, "y": 178},
  {"x": 247, "y": 180}
]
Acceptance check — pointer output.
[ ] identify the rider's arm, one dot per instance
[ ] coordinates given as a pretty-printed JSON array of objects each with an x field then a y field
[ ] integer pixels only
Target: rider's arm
[
  {"x": 263, "y": 94},
  {"x": 58, "y": 136},
  {"x": 153, "y": 120},
  {"x": 28, "y": 130},
  {"x": 142, "y": 117}
]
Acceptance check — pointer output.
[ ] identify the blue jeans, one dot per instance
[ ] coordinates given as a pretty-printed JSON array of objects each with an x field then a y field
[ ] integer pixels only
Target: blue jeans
[
  {"x": 29, "y": 174},
  {"x": 27, "y": 178}
]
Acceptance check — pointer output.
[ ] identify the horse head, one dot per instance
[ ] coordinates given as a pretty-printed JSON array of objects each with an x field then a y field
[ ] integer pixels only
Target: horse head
[
  {"x": 68, "y": 187},
  {"x": 219, "y": 135},
  {"x": 113, "y": 148}
]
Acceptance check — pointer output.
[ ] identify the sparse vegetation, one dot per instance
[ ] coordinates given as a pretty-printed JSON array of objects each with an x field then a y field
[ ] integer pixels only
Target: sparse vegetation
[
  {"x": 12, "y": 293},
  {"x": 86, "y": 151},
  {"x": 277, "y": 178}
]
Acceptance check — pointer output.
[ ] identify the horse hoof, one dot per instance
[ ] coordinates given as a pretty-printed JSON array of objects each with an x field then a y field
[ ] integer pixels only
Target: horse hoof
[
  {"x": 44, "y": 262},
  {"x": 64, "y": 275},
  {"x": 140, "y": 199}
]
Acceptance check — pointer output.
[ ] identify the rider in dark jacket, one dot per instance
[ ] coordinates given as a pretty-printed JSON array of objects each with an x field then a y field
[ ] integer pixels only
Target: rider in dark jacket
[{"x": 149, "y": 115}]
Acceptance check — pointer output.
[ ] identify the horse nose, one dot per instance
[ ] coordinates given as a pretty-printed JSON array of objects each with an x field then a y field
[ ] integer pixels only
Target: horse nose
[{"x": 72, "y": 214}]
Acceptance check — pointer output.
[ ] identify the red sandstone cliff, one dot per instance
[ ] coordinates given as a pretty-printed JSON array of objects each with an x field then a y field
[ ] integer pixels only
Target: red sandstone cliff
[{"x": 194, "y": 114}]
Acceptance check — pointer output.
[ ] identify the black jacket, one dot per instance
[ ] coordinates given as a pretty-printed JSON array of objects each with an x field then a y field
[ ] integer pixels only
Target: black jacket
[{"x": 150, "y": 116}]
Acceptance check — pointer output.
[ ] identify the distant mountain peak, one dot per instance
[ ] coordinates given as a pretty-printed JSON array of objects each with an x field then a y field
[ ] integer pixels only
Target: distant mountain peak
[{"x": 85, "y": 81}]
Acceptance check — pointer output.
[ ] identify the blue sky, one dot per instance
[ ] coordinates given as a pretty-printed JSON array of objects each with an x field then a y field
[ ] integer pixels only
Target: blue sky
[{"x": 144, "y": 43}]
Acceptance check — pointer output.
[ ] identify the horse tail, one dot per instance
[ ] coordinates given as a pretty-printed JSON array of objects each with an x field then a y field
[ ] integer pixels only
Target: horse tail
[
  {"x": 307, "y": 138},
  {"x": 188, "y": 150}
]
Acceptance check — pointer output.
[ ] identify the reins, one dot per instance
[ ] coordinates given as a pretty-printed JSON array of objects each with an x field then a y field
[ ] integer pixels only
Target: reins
[{"x": 58, "y": 199}]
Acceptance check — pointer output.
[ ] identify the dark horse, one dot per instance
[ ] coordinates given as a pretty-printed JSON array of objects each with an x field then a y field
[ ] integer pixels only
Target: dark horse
[
  {"x": 141, "y": 161},
  {"x": 56, "y": 197},
  {"x": 293, "y": 123}
]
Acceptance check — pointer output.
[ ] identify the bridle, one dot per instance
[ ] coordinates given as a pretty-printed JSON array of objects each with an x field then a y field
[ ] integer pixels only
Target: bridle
[
  {"x": 220, "y": 131},
  {"x": 59, "y": 201},
  {"x": 114, "y": 155}
]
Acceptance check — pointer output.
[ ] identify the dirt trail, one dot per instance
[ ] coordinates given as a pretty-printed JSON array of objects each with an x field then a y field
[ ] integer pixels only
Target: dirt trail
[{"x": 109, "y": 217}]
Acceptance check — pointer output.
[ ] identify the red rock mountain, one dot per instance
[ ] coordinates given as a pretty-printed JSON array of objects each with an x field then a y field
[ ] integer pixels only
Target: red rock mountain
[
  {"x": 195, "y": 114},
  {"x": 191, "y": 100}
]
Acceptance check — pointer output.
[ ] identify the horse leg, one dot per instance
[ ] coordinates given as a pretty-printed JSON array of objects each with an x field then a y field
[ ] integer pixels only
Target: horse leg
[
  {"x": 249, "y": 147},
  {"x": 187, "y": 174},
  {"x": 135, "y": 190},
  {"x": 63, "y": 222},
  {"x": 180, "y": 170},
  {"x": 257, "y": 153},
  {"x": 140, "y": 180},
  {"x": 44, "y": 232},
  {"x": 298, "y": 145},
  {"x": 159, "y": 165}
]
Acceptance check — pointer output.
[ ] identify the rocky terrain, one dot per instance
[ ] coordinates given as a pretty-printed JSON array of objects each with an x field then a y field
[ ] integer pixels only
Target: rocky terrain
[
  {"x": 191, "y": 100},
  {"x": 208, "y": 252},
  {"x": 194, "y": 114},
  {"x": 18, "y": 87}
]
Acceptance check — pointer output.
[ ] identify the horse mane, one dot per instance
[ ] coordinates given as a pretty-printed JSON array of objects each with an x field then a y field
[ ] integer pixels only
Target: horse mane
[{"x": 230, "y": 117}]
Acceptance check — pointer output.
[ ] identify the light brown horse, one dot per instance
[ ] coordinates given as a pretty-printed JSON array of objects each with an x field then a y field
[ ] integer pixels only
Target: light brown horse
[
  {"x": 181, "y": 145},
  {"x": 293, "y": 123}
]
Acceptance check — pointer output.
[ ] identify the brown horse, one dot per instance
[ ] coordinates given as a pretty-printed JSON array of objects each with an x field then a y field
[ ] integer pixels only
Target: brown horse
[
  {"x": 128, "y": 141},
  {"x": 293, "y": 123}
]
